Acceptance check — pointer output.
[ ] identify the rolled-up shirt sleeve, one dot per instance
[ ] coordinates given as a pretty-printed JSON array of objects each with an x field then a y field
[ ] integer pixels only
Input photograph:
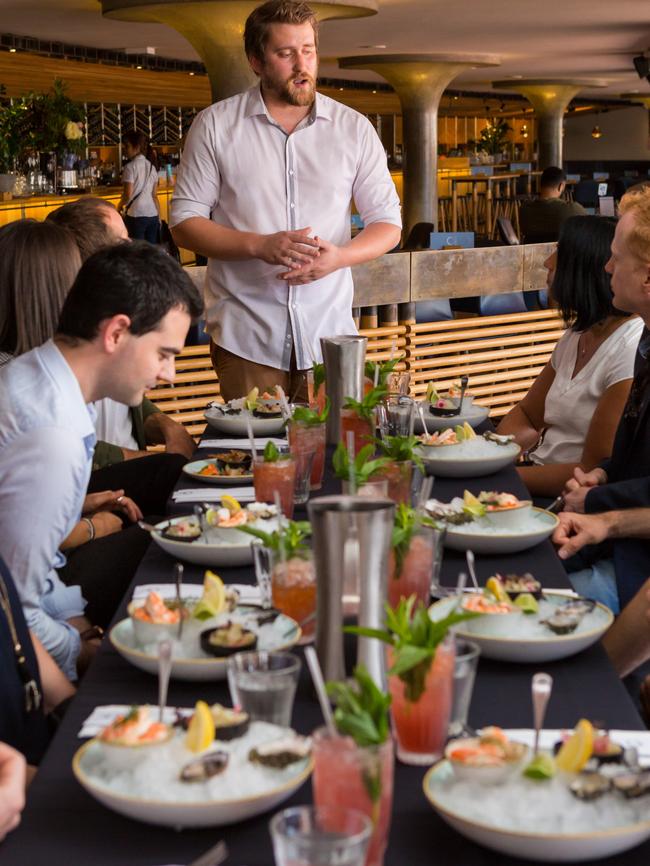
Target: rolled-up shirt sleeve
[
  {"x": 374, "y": 190},
  {"x": 198, "y": 182}
]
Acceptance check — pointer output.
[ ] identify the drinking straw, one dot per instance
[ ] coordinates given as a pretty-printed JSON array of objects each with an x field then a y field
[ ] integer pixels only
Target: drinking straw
[
  {"x": 319, "y": 685},
  {"x": 251, "y": 438},
  {"x": 284, "y": 405},
  {"x": 424, "y": 494},
  {"x": 460, "y": 586},
  {"x": 469, "y": 556},
  {"x": 351, "y": 476},
  {"x": 424, "y": 423},
  {"x": 376, "y": 381},
  {"x": 283, "y": 552}
]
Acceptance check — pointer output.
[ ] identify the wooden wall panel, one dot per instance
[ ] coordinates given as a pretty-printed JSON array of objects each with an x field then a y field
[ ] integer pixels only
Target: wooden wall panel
[{"x": 465, "y": 273}]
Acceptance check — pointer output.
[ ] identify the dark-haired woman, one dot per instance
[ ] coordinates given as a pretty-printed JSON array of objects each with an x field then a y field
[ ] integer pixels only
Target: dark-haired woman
[
  {"x": 139, "y": 203},
  {"x": 569, "y": 416}
]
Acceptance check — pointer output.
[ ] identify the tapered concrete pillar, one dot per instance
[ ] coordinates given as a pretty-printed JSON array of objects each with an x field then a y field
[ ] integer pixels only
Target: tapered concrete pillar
[
  {"x": 419, "y": 81},
  {"x": 550, "y": 100},
  {"x": 215, "y": 28}
]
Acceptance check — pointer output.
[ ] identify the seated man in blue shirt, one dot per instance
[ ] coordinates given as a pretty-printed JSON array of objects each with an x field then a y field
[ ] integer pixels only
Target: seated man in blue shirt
[{"x": 123, "y": 322}]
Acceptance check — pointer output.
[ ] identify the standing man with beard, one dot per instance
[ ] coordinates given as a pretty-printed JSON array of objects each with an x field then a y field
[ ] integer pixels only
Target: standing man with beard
[{"x": 264, "y": 191}]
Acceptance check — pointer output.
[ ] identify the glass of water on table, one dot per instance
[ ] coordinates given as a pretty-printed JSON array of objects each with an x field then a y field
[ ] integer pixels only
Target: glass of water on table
[{"x": 264, "y": 684}]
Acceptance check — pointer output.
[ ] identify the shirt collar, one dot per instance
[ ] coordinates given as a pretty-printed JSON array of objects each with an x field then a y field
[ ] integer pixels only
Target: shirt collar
[
  {"x": 81, "y": 415},
  {"x": 255, "y": 106}
]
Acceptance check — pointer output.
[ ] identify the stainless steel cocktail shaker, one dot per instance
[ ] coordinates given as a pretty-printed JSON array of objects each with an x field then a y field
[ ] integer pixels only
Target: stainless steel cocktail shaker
[{"x": 344, "y": 358}]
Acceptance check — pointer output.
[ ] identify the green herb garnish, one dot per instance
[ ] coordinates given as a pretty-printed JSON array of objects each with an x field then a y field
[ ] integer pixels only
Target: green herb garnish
[
  {"x": 366, "y": 408},
  {"x": 414, "y": 637},
  {"x": 407, "y": 521},
  {"x": 385, "y": 369},
  {"x": 288, "y": 540},
  {"x": 362, "y": 713},
  {"x": 271, "y": 453},
  {"x": 363, "y": 468},
  {"x": 319, "y": 376},
  {"x": 400, "y": 449},
  {"x": 309, "y": 416}
]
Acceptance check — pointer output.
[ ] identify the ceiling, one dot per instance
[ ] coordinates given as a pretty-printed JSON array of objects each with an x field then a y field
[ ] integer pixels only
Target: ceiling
[{"x": 559, "y": 39}]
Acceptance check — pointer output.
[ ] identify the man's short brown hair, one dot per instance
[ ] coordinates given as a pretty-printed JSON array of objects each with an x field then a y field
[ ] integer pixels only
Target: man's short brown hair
[
  {"x": 84, "y": 218},
  {"x": 256, "y": 31},
  {"x": 637, "y": 200}
]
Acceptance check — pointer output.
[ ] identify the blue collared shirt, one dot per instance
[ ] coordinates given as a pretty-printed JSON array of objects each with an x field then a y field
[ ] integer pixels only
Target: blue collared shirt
[{"x": 47, "y": 439}]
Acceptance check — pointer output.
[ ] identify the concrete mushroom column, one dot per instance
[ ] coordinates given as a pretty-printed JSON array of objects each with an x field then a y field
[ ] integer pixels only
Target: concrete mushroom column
[
  {"x": 550, "y": 100},
  {"x": 215, "y": 28},
  {"x": 419, "y": 81}
]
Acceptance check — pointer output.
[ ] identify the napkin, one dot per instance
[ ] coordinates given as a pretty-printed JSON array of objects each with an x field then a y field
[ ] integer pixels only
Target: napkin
[
  {"x": 248, "y": 594},
  {"x": 104, "y": 715},
  {"x": 242, "y": 444},
  {"x": 638, "y": 739},
  {"x": 196, "y": 494}
]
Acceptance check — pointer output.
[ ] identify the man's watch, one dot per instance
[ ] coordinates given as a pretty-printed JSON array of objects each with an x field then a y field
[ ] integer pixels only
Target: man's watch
[{"x": 95, "y": 631}]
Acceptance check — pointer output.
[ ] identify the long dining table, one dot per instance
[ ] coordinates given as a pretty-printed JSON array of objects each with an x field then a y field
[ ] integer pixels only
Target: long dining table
[{"x": 62, "y": 825}]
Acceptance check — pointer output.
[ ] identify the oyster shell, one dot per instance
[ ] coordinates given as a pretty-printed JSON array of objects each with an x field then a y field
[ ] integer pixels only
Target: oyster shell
[
  {"x": 561, "y": 622},
  {"x": 577, "y": 606},
  {"x": 205, "y": 767},
  {"x": 590, "y": 786},
  {"x": 632, "y": 785},
  {"x": 280, "y": 753},
  {"x": 498, "y": 438}
]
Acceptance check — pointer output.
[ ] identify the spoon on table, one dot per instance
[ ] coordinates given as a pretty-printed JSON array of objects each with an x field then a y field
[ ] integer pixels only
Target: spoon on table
[
  {"x": 178, "y": 580},
  {"x": 542, "y": 685},
  {"x": 164, "y": 670},
  {"x": 469, "y": 557}
]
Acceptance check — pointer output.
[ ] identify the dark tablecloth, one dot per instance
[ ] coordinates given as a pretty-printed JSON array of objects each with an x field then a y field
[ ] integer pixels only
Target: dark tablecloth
[{"x": 62, "y": 825}]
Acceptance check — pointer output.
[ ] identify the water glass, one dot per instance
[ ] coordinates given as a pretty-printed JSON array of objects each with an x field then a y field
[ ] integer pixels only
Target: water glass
[
  {"x": 320, "y": 836},
  {"x": 264, "y": 684},
  {"x": 467, "y": 655},
  {"x": 304, "y": 460},
  {"x": 374, "y": 488},
  {"x": 398, "y": 382},
  {"x": 263, "y": 566},
  {"x": 396, "y": 415}
]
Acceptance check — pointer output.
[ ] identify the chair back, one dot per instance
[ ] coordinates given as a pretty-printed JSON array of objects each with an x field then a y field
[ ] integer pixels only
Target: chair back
[
  {"x": 506, "y": 232},
  {"x": 498, "y": 305}
]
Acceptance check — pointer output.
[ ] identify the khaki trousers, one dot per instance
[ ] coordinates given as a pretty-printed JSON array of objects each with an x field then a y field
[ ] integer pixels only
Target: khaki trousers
[{"x": 238, "y": 376}]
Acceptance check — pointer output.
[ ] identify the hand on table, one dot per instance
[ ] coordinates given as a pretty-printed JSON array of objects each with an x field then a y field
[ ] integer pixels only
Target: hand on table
[
  {"x": 179, "y": 441},
  {"x": 330, "y": 259},
  {"x": 576, "y": 488},
  {"x": 12, "y": 788},
  {"x": 111, "y": 500},
  {"x": 288, "y": 248},
  {"x": 577, "y": 530}
]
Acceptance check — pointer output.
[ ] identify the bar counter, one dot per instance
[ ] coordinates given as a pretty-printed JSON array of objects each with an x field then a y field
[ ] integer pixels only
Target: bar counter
[{"x": 63, "y": 825}]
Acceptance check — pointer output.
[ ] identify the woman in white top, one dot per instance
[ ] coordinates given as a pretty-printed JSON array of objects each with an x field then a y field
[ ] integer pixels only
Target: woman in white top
[
  {"x": 139, "y": 202},
  {"x": 570, "y": 415}
]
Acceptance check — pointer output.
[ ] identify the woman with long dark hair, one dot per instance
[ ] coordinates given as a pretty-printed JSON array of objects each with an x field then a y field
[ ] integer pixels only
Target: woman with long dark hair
[
  {"x": 139, "y": 203},
  {"x": 570, "y": 415}
]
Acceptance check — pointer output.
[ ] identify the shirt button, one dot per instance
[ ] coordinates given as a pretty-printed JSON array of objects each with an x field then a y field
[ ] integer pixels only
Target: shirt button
[
  {"x": 292, "y": 205},
  {"x": 291, "y": 172}
]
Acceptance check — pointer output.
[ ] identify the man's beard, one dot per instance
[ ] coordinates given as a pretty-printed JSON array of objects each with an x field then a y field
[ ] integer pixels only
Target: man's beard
[{"x": 289, "y": 93}]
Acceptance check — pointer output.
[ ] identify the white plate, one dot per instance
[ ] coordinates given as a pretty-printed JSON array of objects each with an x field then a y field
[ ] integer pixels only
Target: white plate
[
  {"x": 547, "y": 847},
  {"x": 200, "y": 553},
  {"x": 194, "y": 471},
  {"x": 538, "y": 528},
  {"x": 286, "y": 633},
  {"x": 513, "y": 647},
  {"x": 235, "y": 425},
  {"x": 473, "y": 415},
  {"x": 444, "y": 461},
  {"x": 181, "y": 814}
]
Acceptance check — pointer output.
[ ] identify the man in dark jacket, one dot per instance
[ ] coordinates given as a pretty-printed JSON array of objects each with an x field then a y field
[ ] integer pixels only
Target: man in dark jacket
[{"x": 623, "y": 481}]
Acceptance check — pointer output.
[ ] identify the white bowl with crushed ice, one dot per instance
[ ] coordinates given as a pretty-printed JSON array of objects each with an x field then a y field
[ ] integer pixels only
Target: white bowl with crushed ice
[
  {"x": 459, "y": 452},
  {"x": 192, "y": 779},
  {"x": 217, "y": 539},
  {"x": 583, "y": 804},
  {"x": 213, "y": 606},
  {"x": 263, "y": 413}
]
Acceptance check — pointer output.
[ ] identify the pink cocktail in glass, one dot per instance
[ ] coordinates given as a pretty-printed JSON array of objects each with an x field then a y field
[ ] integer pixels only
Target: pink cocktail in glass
[
  {"x": 362, "y": 429},
  {"x": 293, "y": 588},
  {"x": 421, "y": 709},
  {"x": 414, "y": 576},
  {"x": 355, "y": 777},
  {"x": 400, "y": 476},
  {"x": 269, "y": 476},
  {"x": 309, "y": 437}
]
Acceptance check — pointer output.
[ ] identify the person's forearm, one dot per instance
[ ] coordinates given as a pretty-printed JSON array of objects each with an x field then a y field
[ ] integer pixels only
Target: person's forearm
[
  {"x": 628, "y": 523},
  {"x": 56, "y": 686},
  {"x": 517, "y": 423},
  {"x": 373, "y": 241},
  {"x": 209, "y": 239},
  {"x": 80, "y": 534},
  {"x": 627, "y": 642},
  {"x": 546, "y": 480}
]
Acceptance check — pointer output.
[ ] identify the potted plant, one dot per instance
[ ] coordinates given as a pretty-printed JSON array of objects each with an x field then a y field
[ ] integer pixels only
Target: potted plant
[
  {"x": 13, "y": 130},
  {"x": 493, "y": 138}
]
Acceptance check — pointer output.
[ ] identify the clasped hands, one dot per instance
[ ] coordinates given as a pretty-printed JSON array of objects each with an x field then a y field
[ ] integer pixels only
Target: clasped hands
[
  {"x": 102, "y": 507},
  {"x": 307, "y": 258}
]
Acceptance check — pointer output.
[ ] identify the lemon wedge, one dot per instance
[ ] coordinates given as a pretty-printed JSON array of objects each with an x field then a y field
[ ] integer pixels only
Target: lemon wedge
[
  {"x": 251, "y": 398},
  {"x": 200, "y": 733},
  {"x": 495, "y": 586},
  {"x": 230, "y": 503},
  {"x": 469, "y": 431},
  {"x": 577, "y": 750},
  {"x": 213, "y": 600}
]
